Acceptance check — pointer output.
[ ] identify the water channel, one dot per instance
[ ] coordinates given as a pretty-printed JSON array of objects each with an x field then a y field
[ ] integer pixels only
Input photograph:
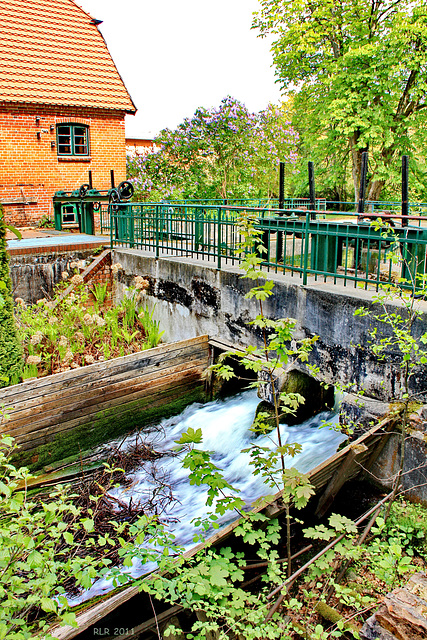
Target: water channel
[{"x": 225, "y": 425}]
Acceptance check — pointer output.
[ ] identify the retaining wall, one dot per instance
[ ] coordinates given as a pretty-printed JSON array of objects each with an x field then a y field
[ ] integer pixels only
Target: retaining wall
[
  {"x": 192, "y": 299},
  {"x": 34, "y": 275}
]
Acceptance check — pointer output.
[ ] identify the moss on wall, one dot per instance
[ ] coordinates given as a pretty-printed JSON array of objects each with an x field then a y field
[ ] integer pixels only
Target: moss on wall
[{"x": 107, "y": 425}]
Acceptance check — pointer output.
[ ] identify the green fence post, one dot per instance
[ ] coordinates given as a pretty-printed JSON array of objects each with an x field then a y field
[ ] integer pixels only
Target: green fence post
[
  {"x": 57, "y": 208},
  {"x": 219, "y": 239},
  {"x": 306, "y": 241},
  {"x": 110, "y": 215},
  {"x": 157, "y": 230}
]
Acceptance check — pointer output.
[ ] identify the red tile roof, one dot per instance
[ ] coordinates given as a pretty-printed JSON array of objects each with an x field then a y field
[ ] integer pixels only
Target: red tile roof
[{"x": 51, "y": 52}]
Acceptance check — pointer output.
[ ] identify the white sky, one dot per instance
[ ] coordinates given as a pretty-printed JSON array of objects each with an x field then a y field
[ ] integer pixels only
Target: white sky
[{"x": 177, "y": 55}]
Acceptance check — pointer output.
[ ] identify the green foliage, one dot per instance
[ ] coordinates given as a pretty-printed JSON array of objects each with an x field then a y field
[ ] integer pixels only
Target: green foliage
[
  {"x": 99, "y": 292},
  {"x": 68, "y": 332},
  {"x": 46, "y": 222},
  {"x": 209, "y": 586},
  {"x": 10, "y": 349},
  {"x": 47, "y": 546},
  {"x": 153, "y": 335},
  {"x": 357, "y": 71},
  {"x": 397, "y": 540}
]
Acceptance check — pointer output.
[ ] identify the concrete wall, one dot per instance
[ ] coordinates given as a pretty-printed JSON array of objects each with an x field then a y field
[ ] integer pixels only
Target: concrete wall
[
  {"x": 191, "y": 299},
  {"x": 414, "y": 477},
  {"x": 35, "y": 275}
]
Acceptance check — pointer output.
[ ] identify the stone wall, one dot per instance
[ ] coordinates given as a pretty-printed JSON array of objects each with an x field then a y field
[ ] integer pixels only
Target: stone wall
[
  {"x": 192, "y": 299},
  {"x": 35, "y": 275}
]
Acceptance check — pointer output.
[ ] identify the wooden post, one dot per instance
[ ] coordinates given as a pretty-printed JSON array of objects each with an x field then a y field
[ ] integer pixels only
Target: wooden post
[{"x": 338, "y": 479}]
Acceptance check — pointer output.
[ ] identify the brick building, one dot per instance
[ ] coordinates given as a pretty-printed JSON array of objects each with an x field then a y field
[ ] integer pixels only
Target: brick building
[{"x": 62, "y": 106}]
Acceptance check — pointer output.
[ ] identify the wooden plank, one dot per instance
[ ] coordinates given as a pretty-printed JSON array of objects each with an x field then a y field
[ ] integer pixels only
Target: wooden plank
[
  {"x": 119, "y": 397},
  {"x": 47, "y": 433},
  {"x": 95, "y": 387},
  {"x": 148, "y": 624},
  {"x": 78, "y": 377},
  {"x": 225, "y": 345},
  {"x": 339, "y": 478},
  {"x": 101, "y": 368},
  {"x": 367, "y": 436},
  {"x": 49, "y": 405},
  {"x": 380, "y": 444}
]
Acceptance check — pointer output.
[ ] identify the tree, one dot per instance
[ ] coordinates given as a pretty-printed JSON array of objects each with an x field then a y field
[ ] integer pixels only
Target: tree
[
  {"x": 358, "y": 69},
  {"x": 10, "y": 350},
  {"x": 224, "y": 152}
]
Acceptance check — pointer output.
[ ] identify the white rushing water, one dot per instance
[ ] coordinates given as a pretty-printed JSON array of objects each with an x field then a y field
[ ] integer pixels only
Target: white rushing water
[{"x": 225, "y": 425}]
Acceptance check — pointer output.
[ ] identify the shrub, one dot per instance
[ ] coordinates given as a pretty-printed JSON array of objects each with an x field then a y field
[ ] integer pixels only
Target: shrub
[{"x": 10, "y": 349}]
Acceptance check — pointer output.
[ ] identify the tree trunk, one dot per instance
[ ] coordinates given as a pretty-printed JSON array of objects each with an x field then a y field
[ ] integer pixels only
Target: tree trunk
[{"x": 375, "y": 189}]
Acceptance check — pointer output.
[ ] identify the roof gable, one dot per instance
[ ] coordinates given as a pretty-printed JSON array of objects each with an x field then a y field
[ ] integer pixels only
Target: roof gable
[{"x": 51, "y": 52}]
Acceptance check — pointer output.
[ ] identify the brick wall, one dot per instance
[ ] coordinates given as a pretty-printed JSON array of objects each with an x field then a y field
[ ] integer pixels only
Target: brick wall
[{"x": 30, "y": 168}]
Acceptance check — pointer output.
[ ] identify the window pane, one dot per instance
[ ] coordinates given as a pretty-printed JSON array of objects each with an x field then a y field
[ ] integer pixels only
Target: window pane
[
  {"x": 80, "y": 143},
  {"x": 64, "y": 140}
]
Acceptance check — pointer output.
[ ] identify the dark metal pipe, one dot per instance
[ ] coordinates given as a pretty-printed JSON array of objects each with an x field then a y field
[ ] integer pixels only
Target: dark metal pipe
[
  {"x": 362, "y": 187},
  {"x": 281, "y": 186},
  {"x": 90, "y": 180},
  {"x": 312, "y": 190},
  {"x": 112, "y": 178},
  {"x": 405, "y": 180}
]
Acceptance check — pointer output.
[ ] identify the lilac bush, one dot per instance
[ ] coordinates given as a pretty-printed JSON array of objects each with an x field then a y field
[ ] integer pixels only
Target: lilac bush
[{"x": 224, "y": 152}]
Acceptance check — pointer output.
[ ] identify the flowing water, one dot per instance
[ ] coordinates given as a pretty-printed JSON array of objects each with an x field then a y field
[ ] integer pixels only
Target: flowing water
[{"x": 225, "y": 425}]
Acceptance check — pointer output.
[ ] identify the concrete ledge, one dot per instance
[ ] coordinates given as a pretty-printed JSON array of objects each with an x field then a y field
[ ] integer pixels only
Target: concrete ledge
[{"x": 192, "y": 298}]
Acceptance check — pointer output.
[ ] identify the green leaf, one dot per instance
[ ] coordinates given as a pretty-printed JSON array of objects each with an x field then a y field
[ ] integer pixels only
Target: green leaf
[
  {"x": 88, "y": 524},
  {"x": 218, "y": 575},
  {"x": 190, "y": 436},
  {"x": 48, "y": 605},
  {"x": 35, "y": 559},
  {"x": 68, "y": 537}
]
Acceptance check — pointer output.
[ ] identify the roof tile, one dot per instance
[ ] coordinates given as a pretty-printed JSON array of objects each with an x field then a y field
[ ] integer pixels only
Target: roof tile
[{"x": 51, "y": 52}]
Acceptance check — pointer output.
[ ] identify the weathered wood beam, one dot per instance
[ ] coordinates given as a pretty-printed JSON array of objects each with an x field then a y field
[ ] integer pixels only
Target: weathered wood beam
[{"x": 339, "y": 478}]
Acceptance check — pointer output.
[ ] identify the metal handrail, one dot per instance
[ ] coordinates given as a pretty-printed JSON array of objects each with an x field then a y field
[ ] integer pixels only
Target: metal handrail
[{"x": 337, "y": 248}]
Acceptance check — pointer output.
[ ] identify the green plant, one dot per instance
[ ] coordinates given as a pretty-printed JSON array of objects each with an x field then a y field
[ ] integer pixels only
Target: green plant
[
  {"x": 278, "y": 352},
  {"x": 97, "y": 251},
  {"x": 67, "y": 332},
  {"x": 153, "y": 335},
  {"x": 47, "y": 546},
  {"x": 393, "y": 339},
  {"x": 45, "y": 222},
  {"x": 100, "y": 292},
  {"x": 11, "y": 362}
]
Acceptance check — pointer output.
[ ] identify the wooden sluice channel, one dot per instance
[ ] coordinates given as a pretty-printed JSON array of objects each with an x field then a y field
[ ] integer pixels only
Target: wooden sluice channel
[
  {"x": 76, "y": 408},
  {"x": 327, "y": 478}
]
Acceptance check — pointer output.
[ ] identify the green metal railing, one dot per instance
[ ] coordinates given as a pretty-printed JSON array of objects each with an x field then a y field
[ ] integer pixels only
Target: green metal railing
[
  {"x": 289, "y": 203},
  {"x": 104, "y": 218},
  {"x": 348, "y": 251}
]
